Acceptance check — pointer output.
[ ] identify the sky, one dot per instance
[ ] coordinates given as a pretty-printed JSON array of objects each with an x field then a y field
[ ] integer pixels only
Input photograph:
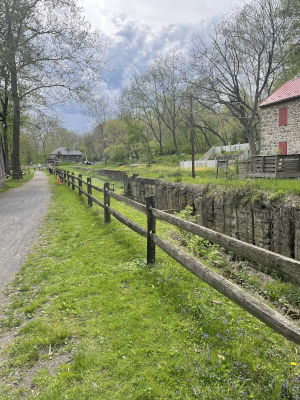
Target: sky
[{"x": 135, "y": 30}]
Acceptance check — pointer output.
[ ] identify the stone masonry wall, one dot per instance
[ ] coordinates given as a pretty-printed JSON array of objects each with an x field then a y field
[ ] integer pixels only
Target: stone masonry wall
[
  {"x": 272, "y": 226},
  {"x": 272, "y": 133},
  {"x": 115, "y": 175}
]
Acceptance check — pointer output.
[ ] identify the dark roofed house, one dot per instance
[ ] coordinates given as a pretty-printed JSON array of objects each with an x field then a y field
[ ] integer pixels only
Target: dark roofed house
[
  {"x": 280, "y": 120},
  {"x": 64, "y": 154}
]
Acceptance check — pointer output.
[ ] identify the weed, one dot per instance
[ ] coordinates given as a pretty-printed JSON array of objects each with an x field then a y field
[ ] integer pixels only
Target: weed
[
  {"x": 293, "y": 295},
  {"x": 271, "y": 272},
  {"x": 277, "y": 196}
]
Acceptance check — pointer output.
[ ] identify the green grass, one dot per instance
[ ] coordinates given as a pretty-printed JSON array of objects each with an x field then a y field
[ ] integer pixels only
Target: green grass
[
  {"x": 167, "y": 168},
  {"x": 14, "y": 183},
  {"x": 125, "y": 330}
]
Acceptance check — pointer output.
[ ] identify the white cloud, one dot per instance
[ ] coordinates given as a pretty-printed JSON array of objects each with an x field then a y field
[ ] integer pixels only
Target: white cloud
[
  {"x": 135, "y": 44},
  {"x": 135, "y": 30},
  {"x": 128, "y": 74},
  {"x": 154, "y": 12}
]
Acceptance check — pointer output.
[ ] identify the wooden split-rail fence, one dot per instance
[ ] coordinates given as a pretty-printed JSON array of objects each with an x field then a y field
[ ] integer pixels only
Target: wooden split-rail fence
[{"x": 252, "y": 305}]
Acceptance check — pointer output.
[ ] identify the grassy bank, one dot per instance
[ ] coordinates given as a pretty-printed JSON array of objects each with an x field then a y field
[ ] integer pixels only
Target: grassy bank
[
  {"x": 170, "y": 171},
  {"x": 89, "y": 320},
  {"x": 14, "y": 183}
]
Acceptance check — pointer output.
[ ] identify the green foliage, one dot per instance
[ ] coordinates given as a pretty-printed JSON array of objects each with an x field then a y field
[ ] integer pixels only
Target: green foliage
[
  {"x": 271, "y": 272},
  {"x": 277, "y": 196},
  {"x": 293, "y": 295},
  {"x": 198, "y": 246},
  {"x": 135, "y": 131}
]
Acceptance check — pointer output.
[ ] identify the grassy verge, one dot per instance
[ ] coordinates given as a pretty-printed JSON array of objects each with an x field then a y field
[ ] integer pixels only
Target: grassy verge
[
  {"x": 206, "y": 176},
  {"x": 13, "y": 183},
  {"x": 92, "y": 321}
]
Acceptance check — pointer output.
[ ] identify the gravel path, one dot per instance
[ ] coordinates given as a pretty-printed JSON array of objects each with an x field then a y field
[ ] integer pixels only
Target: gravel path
[{"x": 21, "y": 215}]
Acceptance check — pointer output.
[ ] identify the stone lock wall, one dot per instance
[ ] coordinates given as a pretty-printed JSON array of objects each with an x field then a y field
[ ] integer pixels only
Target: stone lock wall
[
  {"x": 272, "y": 226},
  {"x": 272, "y": 133},
  {"x": 115, "y": 175}
]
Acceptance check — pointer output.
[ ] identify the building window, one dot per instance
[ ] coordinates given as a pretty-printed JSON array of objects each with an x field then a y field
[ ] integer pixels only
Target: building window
[{"x": 283, "y": 116}]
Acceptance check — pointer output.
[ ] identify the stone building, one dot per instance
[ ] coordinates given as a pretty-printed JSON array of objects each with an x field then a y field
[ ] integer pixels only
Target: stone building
[
  {"x": 280, "y": 120},
  {"x": 65, "y": 154}
]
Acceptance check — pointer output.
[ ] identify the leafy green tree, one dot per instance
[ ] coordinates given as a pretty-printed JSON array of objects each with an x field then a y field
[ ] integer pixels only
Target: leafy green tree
[
  {"x": 136, "y": 137},
  {"x": 117, "y": 147}
]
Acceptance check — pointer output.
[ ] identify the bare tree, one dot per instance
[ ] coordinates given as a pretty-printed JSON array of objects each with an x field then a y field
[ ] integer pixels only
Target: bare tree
[
  {"x": 244, "y": 59},
  {"x": 42, "y": 130},
  {"x": 99, "y": 110},
  {"x": 49, "y": 50},
  {"x": 141, "y": 100},
  {"x": 165, "y": 75}
]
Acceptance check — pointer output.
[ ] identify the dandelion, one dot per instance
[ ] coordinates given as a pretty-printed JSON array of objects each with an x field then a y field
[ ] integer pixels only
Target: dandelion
[{"x": 293, "y": 363}]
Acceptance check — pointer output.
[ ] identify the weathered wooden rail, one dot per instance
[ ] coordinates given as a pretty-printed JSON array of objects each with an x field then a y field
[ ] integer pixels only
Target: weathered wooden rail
[
  {"x": 276, "y": 166},
  {"x": 255, "y": 307}
]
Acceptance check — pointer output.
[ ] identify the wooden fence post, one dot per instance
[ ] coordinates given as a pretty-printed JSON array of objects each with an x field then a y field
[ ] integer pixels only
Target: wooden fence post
[
  {"x": 106, "y": 203},
  {"x": 73, "y": 187},
  {"x": 89, "y": 190},
  {"x": 80, "y": 184},
  {"x": 126, "y": 184},
  {"x": 64, "y": 175},
  {"x": 68, "y": 177},
  {"x": 151, "y": 228}
]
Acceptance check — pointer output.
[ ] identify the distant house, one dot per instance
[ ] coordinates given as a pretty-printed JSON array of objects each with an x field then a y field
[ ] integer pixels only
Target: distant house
[
  {"x": 280, "y": 120},
  {"x": 64, "y": 154}
]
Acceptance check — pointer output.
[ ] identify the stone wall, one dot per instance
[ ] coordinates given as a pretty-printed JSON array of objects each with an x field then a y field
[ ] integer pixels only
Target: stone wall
[
  {"x": 272, "y": 133},
  {"x": 272, "y": 226},
  {"x": 113, "y": 174}
]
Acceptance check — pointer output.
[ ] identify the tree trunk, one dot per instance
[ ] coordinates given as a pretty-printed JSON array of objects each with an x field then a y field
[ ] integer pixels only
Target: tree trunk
[
  {"x": 15, "y": 157},
  {"x": 4, "y": 122},
  {"x": 250, "y": 137},
  {"x": 204, "y": 134},
  {"x": 175, "y": 141},
  {"x": 6, "y": 154},
  {"x": 161, "y": 148},
  {"x": 44, "y": 149}
]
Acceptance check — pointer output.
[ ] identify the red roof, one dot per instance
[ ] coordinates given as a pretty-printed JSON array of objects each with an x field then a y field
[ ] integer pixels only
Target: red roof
[{"x": 288, "y": 91}]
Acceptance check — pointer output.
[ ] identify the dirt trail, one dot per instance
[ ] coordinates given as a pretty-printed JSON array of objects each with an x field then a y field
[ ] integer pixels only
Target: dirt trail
[{"x": 21, "y": 214}]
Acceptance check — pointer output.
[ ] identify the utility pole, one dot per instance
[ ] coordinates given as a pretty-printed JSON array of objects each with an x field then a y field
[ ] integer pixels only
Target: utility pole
[
  {"x": 148, "y": 148},
  {"x": 192, "y": 137}
]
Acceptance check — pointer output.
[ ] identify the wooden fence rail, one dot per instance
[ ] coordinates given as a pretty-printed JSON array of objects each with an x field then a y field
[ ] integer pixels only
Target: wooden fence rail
[
  {"x": 285, "y": 265},
  {"x": 255, "y": 307}
]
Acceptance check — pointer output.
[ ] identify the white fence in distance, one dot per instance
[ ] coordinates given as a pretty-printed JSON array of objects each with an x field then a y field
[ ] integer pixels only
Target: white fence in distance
[
  {"x": 205, "y": 162},
  {"x": 198, "y": 163}
]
